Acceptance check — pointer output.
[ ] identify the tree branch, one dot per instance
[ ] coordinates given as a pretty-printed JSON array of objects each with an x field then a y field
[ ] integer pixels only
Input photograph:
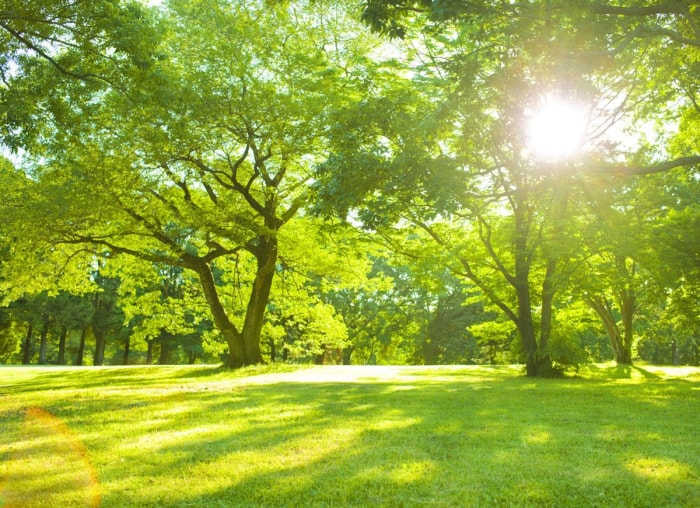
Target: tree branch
[
  {"x": 649, "y": 10},
  {"x": 691, "y": 160}
]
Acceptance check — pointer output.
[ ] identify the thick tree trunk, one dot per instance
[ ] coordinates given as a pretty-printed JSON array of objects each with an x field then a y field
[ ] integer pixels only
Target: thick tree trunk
[
  {"x": 27, "y": 345},
  {"x": 266, "y": 255},
  {"x": 234, "y": 340},
  {"x": 81, "y": 347},
  {"x": 536, "y": 362},
  {"x": 244, "y": 345},
  {"x": 62, "y": 346},
  {"x": 164, "y": 347}
]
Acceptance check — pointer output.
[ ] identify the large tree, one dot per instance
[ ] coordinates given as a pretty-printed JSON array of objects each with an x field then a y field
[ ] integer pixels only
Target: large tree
[
  {"x": 448, "y": 151},
  {"x": 201, "y": 153}
]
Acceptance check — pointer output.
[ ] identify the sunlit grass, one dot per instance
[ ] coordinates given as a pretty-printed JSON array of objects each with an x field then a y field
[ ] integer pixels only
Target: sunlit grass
[{"x": 335, "y": 436}]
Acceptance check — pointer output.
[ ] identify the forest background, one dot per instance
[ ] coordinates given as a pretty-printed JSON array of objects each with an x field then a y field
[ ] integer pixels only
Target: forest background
[{"x": 240, "y": 182}]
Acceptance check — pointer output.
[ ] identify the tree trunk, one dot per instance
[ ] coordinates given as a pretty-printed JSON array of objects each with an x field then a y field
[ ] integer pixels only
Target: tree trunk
[
  {"x": 546, "y": 317},
  {"x": 536, "y": 363},
  {"x": 44, "y": 335},
  {"x": 675, "y": 357},
  {"x": 27, "y": 345},
  {"x": 149, "y": 352},
  {"x": 273, "y": 350},
  {"x": 81, "y": 347},
  {"x": 549, "y": 286},
  {"x": 243, "y": 345},
  {"x": 234, "y": 339},
  {"x": 266, "y": 255},
  {"x": 622, "y": 355},
  {"x": 347, "y": 355},
  {"x": 127, "y": 347},
  {"x": 628, "y": 308},
  {"x": 62, "y": 346},
  {"x": 164, "y": 347},
  {"x": 100, "y": 342}
]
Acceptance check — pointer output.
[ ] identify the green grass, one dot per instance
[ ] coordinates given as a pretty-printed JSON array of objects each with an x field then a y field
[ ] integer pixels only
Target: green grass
[{"x": 456, "y": 436}]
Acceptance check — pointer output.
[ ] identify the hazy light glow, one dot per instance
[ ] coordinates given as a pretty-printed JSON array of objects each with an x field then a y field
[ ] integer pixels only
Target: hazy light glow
[{"x": 556, "y": 130}]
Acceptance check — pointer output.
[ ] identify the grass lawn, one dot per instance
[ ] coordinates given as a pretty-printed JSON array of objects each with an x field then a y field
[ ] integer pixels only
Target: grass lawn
[{"x": 348, "y": 436}]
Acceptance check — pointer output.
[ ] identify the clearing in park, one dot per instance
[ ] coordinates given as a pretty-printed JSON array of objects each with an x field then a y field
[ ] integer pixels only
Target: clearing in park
[{"x": 348, "y": 436}]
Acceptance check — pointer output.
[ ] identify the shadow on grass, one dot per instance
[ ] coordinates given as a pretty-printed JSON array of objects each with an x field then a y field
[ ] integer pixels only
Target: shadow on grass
[
  {"x": 448, "y": 444},
  {"x": 620, "y": 371},
  {"x": 471, "y": 439},
  {"x": 40, "y": 378}
]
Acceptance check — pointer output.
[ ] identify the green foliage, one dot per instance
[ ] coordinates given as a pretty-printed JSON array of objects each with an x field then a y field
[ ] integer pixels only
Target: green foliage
[
  {"x": 9, "y": 336},
  {"x": 195, "y": 146}
]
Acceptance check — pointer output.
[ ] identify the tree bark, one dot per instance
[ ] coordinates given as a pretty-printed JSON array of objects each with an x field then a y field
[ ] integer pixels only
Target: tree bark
[
  {"x": 266, "y": 255},
  {"x": 548, "y": 291},
  {"x": 149, "y": 352},
  {"x": 100, "y": 342},
  {"x": 164, "y": 347},
  {"x": 127, "y": 347},
  {"x": 602, "y": 308},
  {"x": 347, "y": 355},
  {"x": 234, "y": 340},
  {"x": 244, "y": 344},
  {"x": 43, "y": 345},
  {"x": 81, "y": 347},
  {"x": 27, "y": 345},
  {"x": 628, "y": 308},
  {"x": 273, "y": 351},
  {"x": 536, "y": 362},
  {"x": 62, "y": 345}
]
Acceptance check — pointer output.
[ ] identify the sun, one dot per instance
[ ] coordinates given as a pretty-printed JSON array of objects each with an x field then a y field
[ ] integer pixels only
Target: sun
[{"x": 556, "y": 130}]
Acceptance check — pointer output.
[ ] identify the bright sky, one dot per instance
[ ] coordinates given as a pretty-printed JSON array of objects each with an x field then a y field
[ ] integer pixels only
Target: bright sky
[{"x": 557, "y": 129}]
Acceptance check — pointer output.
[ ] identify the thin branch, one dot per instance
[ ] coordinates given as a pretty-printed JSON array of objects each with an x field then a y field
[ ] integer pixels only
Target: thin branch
[
  {"x": 180, "y": 183},
  {"x": 33, "y": 47},
  {"x": 486, "y": 241}
]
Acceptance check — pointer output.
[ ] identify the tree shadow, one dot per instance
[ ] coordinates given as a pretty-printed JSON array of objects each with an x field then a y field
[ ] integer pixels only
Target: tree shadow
[
  {"x": 464, "y": 441},
  {"x": 620, "y": 371},
  {"x": 646, "y": 373}
]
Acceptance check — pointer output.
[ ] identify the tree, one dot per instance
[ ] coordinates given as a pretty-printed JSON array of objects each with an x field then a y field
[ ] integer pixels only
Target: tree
[
  {"x": 163, "y": 307},
  {"x": 447, "y": 151},
  {"x": 202, "y": 154},
  {"x": 77, "y": 38},
  {"x": 663, "y": 40},
  {"x": 446, "y": 154}
]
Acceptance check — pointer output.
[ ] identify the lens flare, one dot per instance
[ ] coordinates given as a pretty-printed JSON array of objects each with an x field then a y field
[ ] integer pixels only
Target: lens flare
[{"x": 556, "y": 130}]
